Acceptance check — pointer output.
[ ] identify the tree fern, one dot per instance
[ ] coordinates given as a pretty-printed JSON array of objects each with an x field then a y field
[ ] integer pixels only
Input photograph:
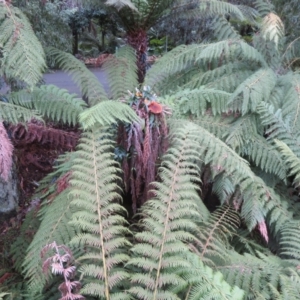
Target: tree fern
[
  {"x": 99, "y": 221},
  {"x": 22, "y": 56}
]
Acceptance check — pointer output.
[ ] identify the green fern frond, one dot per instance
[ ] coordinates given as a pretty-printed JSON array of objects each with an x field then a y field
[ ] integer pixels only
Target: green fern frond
[
  {"x": 253, "y": 90},
  {"x": 22, "y": 55},
  {"x": 289, "y": 241},
  {"x": 52, "y": 102},
  {"x": 107, "y": 113},
  {"x": 197, "y": 101},
  {"x": 278, "y": 128},
  {"x": 184, "y": 57},
  {"x": 55, "y": 214},
  {"x": 16, "y": 114},
  {"x": 221, "y": 158},
  {"x": 204, "y": 283},
  {"x": 217, "y": 125},
  {"x": 98, "y": 218},
  {"x": 168, "y": 220},
  {"x": 223, "y": 187},
  {"x": 214, "y": 233},
  {"x": 122, "y": 72},
  {"x": 265, "y": 157},
  {"x": 241, "y": 132},
  {"x": 263, "y": 7},
  {"x": 290, "y": 102},
  {"x": 236, "y": 72},
  {"x": 54, "y": 227},
  {"x": 214, "y": 7},
  {"x": 223, "y": 30},
  {"x": 88, "y": 83},
  {"x": 175, "y": 61},
  {"x": 29, "y": 227},
  {"x": 292, "y": 161},
  {"x": 256, "y": 274}
]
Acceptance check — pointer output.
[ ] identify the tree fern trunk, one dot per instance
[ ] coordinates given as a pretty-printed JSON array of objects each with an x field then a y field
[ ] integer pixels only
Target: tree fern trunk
[
  {"x": 8, "y": 195},
  {"x": 138, "y": 40}
]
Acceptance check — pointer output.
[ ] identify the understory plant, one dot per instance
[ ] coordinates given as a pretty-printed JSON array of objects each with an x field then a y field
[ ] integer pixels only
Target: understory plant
[{"x": 206, "y": 149}]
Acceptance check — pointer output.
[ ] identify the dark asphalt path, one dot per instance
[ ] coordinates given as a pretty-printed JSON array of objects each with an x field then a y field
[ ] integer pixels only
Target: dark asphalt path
[{"x": 62, "y": 80}]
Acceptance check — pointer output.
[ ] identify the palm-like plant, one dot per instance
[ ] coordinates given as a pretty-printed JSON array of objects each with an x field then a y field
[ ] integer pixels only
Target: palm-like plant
[
  {"x": 233, "y": 132},
  {"x": 137, "y": 17}
]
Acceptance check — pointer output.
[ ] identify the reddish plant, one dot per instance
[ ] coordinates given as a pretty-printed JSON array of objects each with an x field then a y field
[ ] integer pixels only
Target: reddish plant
[
  {"x": 6, "y": 151},
  {"x": 144, "y": 143},
  {"x": 61, "y": 263}
]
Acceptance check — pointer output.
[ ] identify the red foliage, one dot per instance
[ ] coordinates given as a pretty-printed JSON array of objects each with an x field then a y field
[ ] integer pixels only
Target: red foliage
[
  {"x": 36, "y": 148},
  {"x": 6, "y": 152},
  {"x": 262, "y": 228},
  {"x": 61, "y": 263},
  {"x": 63, "y": 182},
  {"x": 98, "y": 61},
  {"x": 145, "y": 145}
]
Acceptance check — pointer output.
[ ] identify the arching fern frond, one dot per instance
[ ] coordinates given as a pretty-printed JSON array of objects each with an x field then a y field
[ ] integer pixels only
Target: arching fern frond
[
  {"x": 289, "y": 241},
  {"x": 214, "y": 7},
  {"x": 265, "y": 157},
  {"x": 52, "y": 102},
  {"x": 55, "y": 214},
  {"x": 223, "y": 30},
  {"x": 278, "y": 128},
  {"x": 122, "y": 72},
  {"x": 214, "y": 233},
  {"x": 168, "y": 220},
  {"x": 256, "y": 194},
  {"x": 255, "y": 275},
  {"x": 204, "y": 283},
  {"x": 292, "y": 161},
  {"x": 16, "y": 114},
  {"x": 107, "y": 113},
  {"x": 184, "y": 57},
  {"x": 98, "y": 218},
  {"x": 242, "y": 131},
  {"x": 217, "y": 125},
  {"x": 197, "y": 101},
  {"x": 263, "y": 7},
  {"x": 22, "y": 55},
  {"x": 272, "y": 29},
  {"x": 254, "y": 89},
  {"x": 88, "y": 83}
]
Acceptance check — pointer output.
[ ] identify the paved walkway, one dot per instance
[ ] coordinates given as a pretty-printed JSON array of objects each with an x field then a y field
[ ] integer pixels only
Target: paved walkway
[{"x": 63, "y": 80}]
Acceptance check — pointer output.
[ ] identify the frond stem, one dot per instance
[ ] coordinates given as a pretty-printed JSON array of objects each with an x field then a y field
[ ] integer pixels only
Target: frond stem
[{"x": 172, "y": 192}]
